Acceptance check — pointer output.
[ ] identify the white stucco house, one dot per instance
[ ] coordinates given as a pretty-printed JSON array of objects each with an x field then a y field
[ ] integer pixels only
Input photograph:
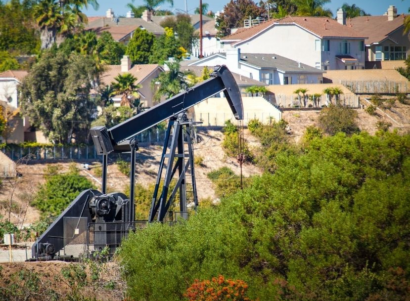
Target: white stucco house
[
  {"x": 9, "y": 81},
  {"x": 210, "y": 43},
  {"x": 319, "y": 42},
  {"x": 271, "y": 69}
]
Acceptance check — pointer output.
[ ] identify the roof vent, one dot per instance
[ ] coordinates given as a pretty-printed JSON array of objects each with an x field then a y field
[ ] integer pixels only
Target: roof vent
[
  {"x": 304, "y": 19},
  {"x": 274, "y": 57}
]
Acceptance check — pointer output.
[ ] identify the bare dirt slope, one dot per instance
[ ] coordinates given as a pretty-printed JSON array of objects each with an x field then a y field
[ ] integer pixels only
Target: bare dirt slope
[{"x": 21, "y": 191}]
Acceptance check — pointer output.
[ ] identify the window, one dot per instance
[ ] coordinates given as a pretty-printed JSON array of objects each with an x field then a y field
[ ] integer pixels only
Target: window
[
  {"x": 287, "y": 80},
  {"x": 302, "y": 79},
  {"x": 361, "y": 46},
  {"x": 344, "y": 47},
  {"x": 379, "y": 53},
  {"x": 266, "y": 78},
  {"x": 326, "y": 45},
  {"x": 250, "y": 75}
]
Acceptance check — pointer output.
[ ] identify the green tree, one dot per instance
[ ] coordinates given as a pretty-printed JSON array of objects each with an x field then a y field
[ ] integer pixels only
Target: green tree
[
  {"x": 8, "y": 62},
  {"x": 141, "y": 46},
  {"x": 150, "y": 5},
  {"x": 56, "y": 95},
  {"x": 301, "y": 92},
  {"x": 3, "y": 121},
  {"x": 353, "y": 11},
  {"x": 169, "y": 83},
  {"x": 330, "y": 224},
  {"x": 125, "y": 85},
  {"x": 235, "y": 13},
  {"x": 165, "y": 47},
  {"x": 49, "y": 19},
  {"x": 18, "y": 35},
  {"x": 59, "y": 191},
  {"x": 312, "y": 8},
  {"x": 108, "y": 50},
  {"x": 205, "y": 7},
  {"x": 336, "y": 119},
  {"x": 185, "y": 30}
]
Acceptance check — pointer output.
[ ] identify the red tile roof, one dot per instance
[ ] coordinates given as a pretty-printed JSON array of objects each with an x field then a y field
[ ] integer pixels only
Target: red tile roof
[
  {"x": 17, "y": 74},
  {"x": 117, "y": 32},
  {"x": 376, "y": 28},
  {"x": 323, "y": 27},
  {"x": 139, "y": 71}
]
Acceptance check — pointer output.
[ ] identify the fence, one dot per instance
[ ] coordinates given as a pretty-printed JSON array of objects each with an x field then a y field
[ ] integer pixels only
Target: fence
[
  {"x": 285, "y": 101},
  {"x": 372, "y": 87}
]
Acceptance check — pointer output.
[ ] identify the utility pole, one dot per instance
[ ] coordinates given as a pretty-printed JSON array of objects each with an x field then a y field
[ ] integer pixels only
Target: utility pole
[
  {"x": 186, "y": 6},
  {"x": 200, "y": 29}
]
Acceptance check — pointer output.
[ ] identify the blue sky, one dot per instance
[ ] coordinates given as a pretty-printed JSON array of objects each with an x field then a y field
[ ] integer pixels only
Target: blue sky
[{"x": 373, "y": 7}]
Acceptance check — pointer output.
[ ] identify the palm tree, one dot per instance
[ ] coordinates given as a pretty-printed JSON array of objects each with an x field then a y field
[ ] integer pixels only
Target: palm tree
[
  {"x": 280, "y": 13},
  {"x": 353, "y": 10},
  {"x": 125, "y": 85},
  {"x": 302, "y": 91},
  {"x": 204, "y": 9},
  {"x": 149, "y": 5},
  {"x": 49, "y": 19},
  {"x": 170, "y": 83},
  {"x": 312, "y": 8}
]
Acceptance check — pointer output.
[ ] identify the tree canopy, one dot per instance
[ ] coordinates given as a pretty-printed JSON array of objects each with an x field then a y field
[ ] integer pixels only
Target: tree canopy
[
  {"x": 140, "y": 46},
  {"x": 331, "y": 223},
  {"x": 234, "y": 14},
  {"x": 56, "y": 95}
]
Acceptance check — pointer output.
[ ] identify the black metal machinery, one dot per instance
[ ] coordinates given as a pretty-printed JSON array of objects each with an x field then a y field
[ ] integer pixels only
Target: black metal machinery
[{"x": 100, "y": 219}]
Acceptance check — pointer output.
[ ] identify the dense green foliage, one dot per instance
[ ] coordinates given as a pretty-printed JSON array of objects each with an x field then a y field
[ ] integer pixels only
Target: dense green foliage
[
  {"x": 337, "y": 118},
  {"x": 56, "y": 95},
  {"x": 59, "y": 191},
  {"x": 140, "y": 46},
  {"x": 165, "y": 47},
  {"x": 18, "y": 34},
  {"x": 330, "y": 224}
]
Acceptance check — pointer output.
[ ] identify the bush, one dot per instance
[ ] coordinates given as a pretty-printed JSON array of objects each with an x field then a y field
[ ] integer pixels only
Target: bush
[
  {"x": 231, "y": 146},
  {"x": 59, "y": 191},
  {"x": 229, "y": 128},
  {"x": 216, "y": 174},
  {"x": 371, "y": 110},
  {"x": 336, "y": 119},
  {"x": 199, "y": 160},
  {"x": 401, "y": 97},
  {"x": 254, "y": 125},
  {"x": 124, "y": 167},
  {"x": 98, "y": 171},
  {"x": 383, "y": 126},
  {"x": 376, "y": 100},
  {"x": 217, "y": 289}
]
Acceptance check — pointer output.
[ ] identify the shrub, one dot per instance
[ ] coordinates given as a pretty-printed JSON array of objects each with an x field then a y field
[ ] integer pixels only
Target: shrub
[
  {"x": 376, "y": 100},
  {"x": 336, "y": 119},
  {"x": 229, "y": 127},
  {"x": 216, "y": 174},
  {"x": 59, "y": 191},
  {"x": 383, "y": 126},
  {"x": 401, "y": 97},
  {"x": 231, "y": 146},
  {"x": 98, "y": 171},
  {"x": 199, "y": 160},
  {"x": 217, "y": 289},
  {"x": 124, "y": 167},
  {"x": 253, "y": 125},
  {"x": 371, "y": 110}
]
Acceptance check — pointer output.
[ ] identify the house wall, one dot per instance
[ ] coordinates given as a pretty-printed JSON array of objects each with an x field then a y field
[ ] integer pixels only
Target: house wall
[
  {"x": 398, "y": 36},
  {"x": 299, "y": 45},
  {"x": 16, "y": 135},
  {"x": 309, "y": 78},
  {"x": 146, "y": 88},
  {"x": 215, "y": 111},
  {"x": 7, "y": 166},
  {"x": 210, "y": 45},
  {"x": 8, "y": 91}
]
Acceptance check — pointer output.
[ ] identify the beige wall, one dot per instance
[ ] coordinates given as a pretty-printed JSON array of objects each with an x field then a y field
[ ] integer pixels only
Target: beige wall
[
  {"x": 146, "y": 88},
  {"x": 7, "y": 166},
  {"x": 215, "y": 111},
  {"x": 17, "y": 131}
]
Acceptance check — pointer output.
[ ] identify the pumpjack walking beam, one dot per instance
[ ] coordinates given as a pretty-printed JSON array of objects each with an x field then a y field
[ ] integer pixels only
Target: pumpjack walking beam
[{"x": 120, "y": 137}]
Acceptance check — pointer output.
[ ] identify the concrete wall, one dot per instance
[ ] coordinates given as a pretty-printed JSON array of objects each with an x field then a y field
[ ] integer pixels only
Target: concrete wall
[
  {"x": 8, "y": 92},
  {"x": 215, "y": 111},
  {"x": 7, "y": 166},
  {"x": 210, "y": 45},
  {"x": 299, "y": 45}
]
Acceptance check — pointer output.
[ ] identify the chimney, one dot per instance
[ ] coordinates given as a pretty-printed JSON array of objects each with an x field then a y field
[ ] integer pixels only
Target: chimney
[
  {"x": 130, "y": 14},
  {"x": 232, "y": 58},
  {"x": 110, "y": 13},
  {"x": 146, "y": 16},
  {"x": 125, "y": 63},
  {"x": 341, "y": 16},
  {"x": 391, "y": 12}
]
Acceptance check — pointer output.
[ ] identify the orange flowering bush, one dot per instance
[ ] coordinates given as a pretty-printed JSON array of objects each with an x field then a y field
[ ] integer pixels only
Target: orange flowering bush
[{"x": 217, "y": 289}]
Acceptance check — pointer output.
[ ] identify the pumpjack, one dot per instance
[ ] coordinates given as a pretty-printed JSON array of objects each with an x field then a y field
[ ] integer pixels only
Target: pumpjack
[{"x": 103, "y": 219}]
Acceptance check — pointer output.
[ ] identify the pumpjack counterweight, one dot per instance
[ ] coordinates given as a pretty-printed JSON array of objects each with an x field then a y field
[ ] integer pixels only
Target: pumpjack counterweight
[{"x": 103, "y": 219}]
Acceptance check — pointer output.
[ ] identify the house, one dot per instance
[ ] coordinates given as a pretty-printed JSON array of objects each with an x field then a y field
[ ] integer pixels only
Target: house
[
  {"x": 318, "y": 42},
  {"x": 122, "y": 29},
  {"x": 9, "y": 81},
  {"x": 385, "y": 40},
  {"x": 269, "y": 68},
  {"x": 144, "y": 74},
  {"x": 210, "y": 43}
]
